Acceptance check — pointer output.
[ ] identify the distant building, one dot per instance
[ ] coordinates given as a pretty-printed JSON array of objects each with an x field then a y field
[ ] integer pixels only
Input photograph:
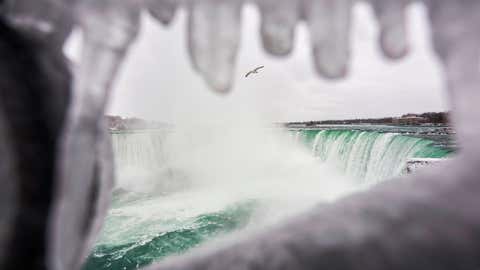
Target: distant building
[
  {"x": 410, "y": 119},
  {"x": 117, "y": 123}
]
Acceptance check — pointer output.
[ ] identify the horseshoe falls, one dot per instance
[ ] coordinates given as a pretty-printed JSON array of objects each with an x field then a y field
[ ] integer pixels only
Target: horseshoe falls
[
  {"x": 369, "y": 156},
  {"x": 184, "y": 188}
]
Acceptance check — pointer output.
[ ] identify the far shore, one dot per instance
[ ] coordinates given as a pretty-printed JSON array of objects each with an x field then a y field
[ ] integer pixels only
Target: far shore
[{"x": 429, "y": 119}]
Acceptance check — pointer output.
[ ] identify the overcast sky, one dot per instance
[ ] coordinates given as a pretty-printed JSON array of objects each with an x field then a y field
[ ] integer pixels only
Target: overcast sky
[{"x": 158, "y": 83}]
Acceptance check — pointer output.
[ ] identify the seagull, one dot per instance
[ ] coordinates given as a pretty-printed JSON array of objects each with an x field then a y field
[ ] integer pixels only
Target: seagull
[{"x": 254, "y": 71}]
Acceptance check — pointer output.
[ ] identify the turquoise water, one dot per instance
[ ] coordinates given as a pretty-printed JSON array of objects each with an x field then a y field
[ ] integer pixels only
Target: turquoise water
[
  {"x": 181, "y": 236},
  {"x": 161, "y": 207},
  {"x": 371, "y": 156}
]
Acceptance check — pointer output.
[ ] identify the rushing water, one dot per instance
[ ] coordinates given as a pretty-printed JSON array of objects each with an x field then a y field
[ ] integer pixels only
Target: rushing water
[
  {"x": 178, "y": 189},
  {"x": 370, "y": 156}
]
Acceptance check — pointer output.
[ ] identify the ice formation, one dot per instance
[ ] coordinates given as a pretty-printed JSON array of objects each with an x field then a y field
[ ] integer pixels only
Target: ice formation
[{"x": 430, "y": 220}]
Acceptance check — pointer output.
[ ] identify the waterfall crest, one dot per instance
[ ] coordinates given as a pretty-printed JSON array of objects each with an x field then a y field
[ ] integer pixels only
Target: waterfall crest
[{"x": 368, "y": 155}]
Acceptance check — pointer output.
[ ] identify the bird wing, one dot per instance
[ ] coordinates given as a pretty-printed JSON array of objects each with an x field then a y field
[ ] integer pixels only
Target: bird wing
[
  {"x": 258, "y": 68},
  {"x": 253, "y": 71}
]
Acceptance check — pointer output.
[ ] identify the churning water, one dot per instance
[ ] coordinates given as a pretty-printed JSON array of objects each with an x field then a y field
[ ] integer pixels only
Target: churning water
[{"x": 179, "y": 188}]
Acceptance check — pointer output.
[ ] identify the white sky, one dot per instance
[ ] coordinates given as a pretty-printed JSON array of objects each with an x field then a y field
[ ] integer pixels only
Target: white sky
[{"x": 157, "y": 82}]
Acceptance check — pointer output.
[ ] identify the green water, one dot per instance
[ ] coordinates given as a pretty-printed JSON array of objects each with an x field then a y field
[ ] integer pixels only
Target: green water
[
  {"x": 368, "y": 155},
  {"x": 184, "y": 235},
  {"x": 144, "y": 227}
]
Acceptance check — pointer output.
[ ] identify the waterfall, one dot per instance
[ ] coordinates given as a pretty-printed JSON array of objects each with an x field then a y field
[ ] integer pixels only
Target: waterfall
[
  {"x": 370, "y": 156},
  {"x": 141, "y": 160},
  {"x": 180, "y": 188},
  {"x": 367, "y": 155},
  {"x": 139, "y": 149}
]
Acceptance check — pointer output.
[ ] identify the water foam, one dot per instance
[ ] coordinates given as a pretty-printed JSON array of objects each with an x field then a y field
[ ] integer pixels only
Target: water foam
[{"x": 180, "y": 187}]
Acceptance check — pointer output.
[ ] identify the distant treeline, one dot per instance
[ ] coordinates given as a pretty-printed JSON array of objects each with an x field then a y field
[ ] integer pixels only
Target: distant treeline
[{"x": 437, "y": 118}]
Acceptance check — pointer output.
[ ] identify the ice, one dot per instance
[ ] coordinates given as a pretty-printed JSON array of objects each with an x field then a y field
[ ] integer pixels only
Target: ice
[
  {"x": 456, "y": 39},
  {"x": 213, "y": 38},
  {"x": 391, "y": 19},
  {"x": 105, "y": 178},
  {"x": 279, "y": 19},
  {"x": 51, "y": 20},
  {"x": 214, "y": 27},
  {"x": 109, "y": 27},
  {"x": 9, "y": 193},
  {"x": 162, "y": 10},
  {"x": 329, "y": 25}
]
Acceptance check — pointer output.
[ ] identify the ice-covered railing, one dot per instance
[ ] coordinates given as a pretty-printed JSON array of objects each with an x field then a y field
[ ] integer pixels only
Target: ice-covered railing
[{"x": 427, "y": 221}]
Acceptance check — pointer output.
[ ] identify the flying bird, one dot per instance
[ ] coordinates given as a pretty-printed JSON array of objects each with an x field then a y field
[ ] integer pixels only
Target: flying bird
[{"x": 254, "y": 71}]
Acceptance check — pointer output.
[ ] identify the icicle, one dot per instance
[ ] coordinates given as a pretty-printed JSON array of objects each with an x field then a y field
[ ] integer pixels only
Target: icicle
[
  {"x": 105, "y": 181},
  {"x": 456, "y": 39},
  {"x": 393, "y": 36},
  {"x": 213, "y": 37},
  {"x": 162, "y": 10},
  {"x": 279, "y": 18},
  {"x": 329, "y": 24},
  {"x": 109, "y": 26}
]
